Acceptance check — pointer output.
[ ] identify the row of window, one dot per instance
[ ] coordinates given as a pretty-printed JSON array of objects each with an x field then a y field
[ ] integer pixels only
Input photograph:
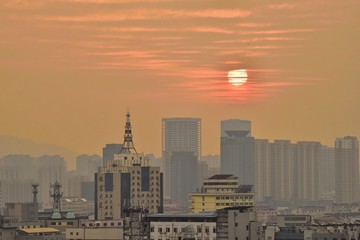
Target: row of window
[
  {"x": 232, "y": 204},
  {"x": 176, "y": 230},
  {"x": 234, "y": 198}
]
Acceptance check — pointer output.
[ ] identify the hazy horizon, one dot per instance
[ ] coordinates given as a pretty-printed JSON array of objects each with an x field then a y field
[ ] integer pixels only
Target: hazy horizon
[{"x": 70, "y": 69}]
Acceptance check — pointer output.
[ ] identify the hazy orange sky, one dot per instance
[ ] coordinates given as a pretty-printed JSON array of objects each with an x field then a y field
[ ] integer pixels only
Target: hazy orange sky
[{"x": 70, "y": 68}]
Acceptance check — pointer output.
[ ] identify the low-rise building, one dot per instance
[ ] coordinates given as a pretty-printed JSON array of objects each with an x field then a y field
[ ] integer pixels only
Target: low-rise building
[
  {"x": 8, "y": 226},
  {"x": 221, "y": 191},
  {"x": 182, "y": 226},
  {"x": 96, "y": 230},
  {"x": 40, "y": 234},
  {"x": 79, "y": 206},
  {"x": 237, "y": 223}
]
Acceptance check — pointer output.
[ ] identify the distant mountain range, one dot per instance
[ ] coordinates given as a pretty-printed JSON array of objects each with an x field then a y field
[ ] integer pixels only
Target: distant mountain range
[{"x": 15, "y": 145}]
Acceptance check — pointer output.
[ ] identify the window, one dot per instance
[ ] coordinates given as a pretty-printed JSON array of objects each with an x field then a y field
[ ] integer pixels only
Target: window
[
  {"x": 167, "y": 229},
  {"x": 160, "y": 230}
]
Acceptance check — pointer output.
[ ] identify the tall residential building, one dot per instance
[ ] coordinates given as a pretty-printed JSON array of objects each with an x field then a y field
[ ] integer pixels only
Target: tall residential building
[
  {"x": 237, "y": 150},
  {"x": 179, "y": 135},
  {"x": 327, "y": 173},
  {"x": 127, "y": 181},
  {"x": 306, "y": 175},
  {"x": 262, "y": 169},
  {"x": 50, "y": 170},
  {"x": 16, "y": 177},
  {"x": 347, "y": 170},
  {"x": 282, "y": 169},
  {"x": 109, "y": 150},
  {"x": 87, "y": 165}
]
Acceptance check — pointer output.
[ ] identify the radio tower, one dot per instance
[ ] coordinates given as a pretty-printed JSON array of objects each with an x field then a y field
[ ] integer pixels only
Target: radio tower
[
  {"x": 128, "y": 145},
  {"x": 56, "y": 195}
]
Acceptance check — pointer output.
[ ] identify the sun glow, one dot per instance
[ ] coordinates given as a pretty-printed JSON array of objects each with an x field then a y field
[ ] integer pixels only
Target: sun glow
[{"x": 237, "y": 77}]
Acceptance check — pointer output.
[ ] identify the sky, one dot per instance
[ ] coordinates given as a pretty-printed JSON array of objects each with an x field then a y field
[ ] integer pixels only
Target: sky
[{"x": 70, "y": 69}]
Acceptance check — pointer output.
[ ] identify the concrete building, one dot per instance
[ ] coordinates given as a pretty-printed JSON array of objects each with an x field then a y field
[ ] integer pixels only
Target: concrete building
[
  {"x": 79, "y": 206},
  {"x": 96, "y": 230},
  {"x": 306, "y": 174},
  {"x": 22, "y": 211},
  {"x": 87, "y": 166},
  {"x": 50, "y": 170},
  {"x": 16, "y": 176},
  {"x": 237, "y": 223},
  {"x": 127, "y": 181},
  {"x": 8, "y": 227},
  {"x": 74, "y": 181},
  {"x": 237, "y": 150},
  {"x": 88, "y": 191},
  {"x": 182, "y": 226},
  {"x": 347, "y": 170},
  {"x": 221, "y": 191},
  {"x": 263, "y": 171},
  {"x": 327, "y": 173},
  {"x": 184, "y": 177},
  {"x": 179, "y": 135},
  {"x": 40, "y": 234},
  {"x": 283, "y": 171},
  {"x": 109, "y": 150}
]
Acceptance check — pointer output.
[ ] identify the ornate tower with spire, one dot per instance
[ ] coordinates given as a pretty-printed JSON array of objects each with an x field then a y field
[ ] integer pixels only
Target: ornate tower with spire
[
  {"x": 127, "y": 181},
  {"x": 128, "y": 145}
]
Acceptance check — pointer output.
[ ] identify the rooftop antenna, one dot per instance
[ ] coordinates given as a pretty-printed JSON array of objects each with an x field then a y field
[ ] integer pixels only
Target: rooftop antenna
[{"x": 128, "y": 145}]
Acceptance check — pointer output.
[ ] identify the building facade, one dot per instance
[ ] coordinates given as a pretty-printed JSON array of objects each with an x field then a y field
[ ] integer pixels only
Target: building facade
[
  {"x": 221, "y": 191},
  {"x": 127, "y": 181},
  {"x": 237, "y": 150},
  {"x": 347, "y": 170},
  {"x": 179, "y": 135}
]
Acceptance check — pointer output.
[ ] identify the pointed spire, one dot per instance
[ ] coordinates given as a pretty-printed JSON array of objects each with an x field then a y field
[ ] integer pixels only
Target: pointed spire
[{"x": 128, "y": 144}]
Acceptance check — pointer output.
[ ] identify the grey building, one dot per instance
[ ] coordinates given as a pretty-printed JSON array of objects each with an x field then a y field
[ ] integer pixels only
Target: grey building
[
  {"x": 87, "y": 165},
  {"x": 237, "y": 223},
  {"x": 327, "y": 173},
  {"x": 109, "y": 150},
  {"x": 347, "y": 170},
  {"x": 179, "y": 135},
  {"x": 237, "y": 150},
  {"x": 184, "y": 175}
]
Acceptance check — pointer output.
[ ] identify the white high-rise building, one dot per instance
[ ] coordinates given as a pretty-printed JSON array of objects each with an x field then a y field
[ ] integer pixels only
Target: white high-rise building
[
  {"x": 179, "y": 135},
  {"x": 347, "y": 170}
]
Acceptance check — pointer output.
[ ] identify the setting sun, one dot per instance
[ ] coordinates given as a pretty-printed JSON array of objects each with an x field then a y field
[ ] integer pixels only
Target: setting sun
[{"x": 237, "y": 77}]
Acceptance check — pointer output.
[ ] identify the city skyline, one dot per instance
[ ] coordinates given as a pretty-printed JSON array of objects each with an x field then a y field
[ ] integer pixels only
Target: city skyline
[{"x": 70, "y": 69}]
